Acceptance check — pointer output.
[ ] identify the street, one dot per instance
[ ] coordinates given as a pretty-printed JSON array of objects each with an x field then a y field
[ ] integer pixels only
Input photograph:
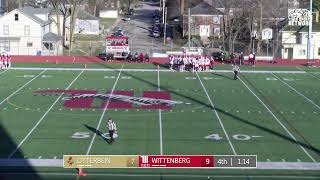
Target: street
[{"x": 139, "y": 28}]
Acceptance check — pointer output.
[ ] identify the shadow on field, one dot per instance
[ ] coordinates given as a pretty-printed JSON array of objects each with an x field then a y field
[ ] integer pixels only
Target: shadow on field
[
  {"x": 161, "y": 65},
  {"x": 223, "y": 76},
  {"x": 97, "y": 131},
  {"x": 270, "y": 131},
  {"x": 307, "y": 144},
  {"x": 13, "y": 172}
]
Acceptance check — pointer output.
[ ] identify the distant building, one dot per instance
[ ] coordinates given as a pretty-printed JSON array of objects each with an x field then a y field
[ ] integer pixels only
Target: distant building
[
  {"x": 109, "y": 13},
  {"x": 295, "y": 40},
  {"x": 205, "y": 21},
  {"x": 85, "y": 23},
  {"x": 27, "y": 31}
]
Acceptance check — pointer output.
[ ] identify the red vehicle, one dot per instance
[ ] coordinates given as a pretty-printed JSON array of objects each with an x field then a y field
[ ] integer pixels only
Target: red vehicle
[{"x": 117, "y": 47}]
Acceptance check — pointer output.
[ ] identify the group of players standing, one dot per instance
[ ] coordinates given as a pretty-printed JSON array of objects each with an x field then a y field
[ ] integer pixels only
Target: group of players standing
[
  {"x": 5, "y": 61},
  {"x": 190, "y": 63}
]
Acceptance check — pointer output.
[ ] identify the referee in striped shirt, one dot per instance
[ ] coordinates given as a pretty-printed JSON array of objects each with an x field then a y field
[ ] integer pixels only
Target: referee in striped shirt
[
  {"x": 236, "y": 71},
  {"x": 112, "y": 127}
]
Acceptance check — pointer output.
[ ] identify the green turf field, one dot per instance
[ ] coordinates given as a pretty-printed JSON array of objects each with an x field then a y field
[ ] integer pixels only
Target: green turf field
[{"x": 272, "y": 114}]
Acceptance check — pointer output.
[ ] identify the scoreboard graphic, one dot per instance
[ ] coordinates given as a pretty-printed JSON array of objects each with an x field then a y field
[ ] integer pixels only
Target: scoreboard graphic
[{"x": 160, "y": 161}]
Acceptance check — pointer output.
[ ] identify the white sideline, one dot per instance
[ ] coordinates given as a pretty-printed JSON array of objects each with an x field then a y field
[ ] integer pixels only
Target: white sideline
[
  {"x": 216, "y": 113},
  {"x": 103, "y": 113},
  {"x": 154, "y": 70},
  {"x": 22, "y": 87},
  {"x": 310, "y": 73},
  {"x": 44, "y": 115},
  {"x": 279, "y": 122},
  {"x": 4, "y": 71},
  {"x": 59, "y": 163},
  {"x": 299, "y": 93},
  {"x": 160, "y": 119}
]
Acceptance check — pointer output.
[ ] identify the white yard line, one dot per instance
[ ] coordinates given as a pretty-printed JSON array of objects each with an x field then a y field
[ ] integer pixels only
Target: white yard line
[
  {"x": 22, "y": 87},
  {"x": 104, "y": 111},
  {"x": 310, "y": 74},
  {"x": 279, "y": 122},
  {"x": 4, "y": 71},
  {"x": 160, "y": 119},
  {"x": 216, "y": 113},
  {"x": 154, "y": 70},
  {"x": 299, "y": 93},
  {"x": 44, "y": 115}
]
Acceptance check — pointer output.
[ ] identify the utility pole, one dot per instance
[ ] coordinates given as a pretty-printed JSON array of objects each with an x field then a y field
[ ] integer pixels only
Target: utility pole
[
  {"x": 189, "y": 28},
  {"x": 165, "y": 26},
  {"x": 163, "y": 10},
  {"x": 309, "y": 32}
]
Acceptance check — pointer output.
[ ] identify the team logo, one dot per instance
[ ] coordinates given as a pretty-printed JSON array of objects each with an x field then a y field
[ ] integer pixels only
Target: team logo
[
  {"x": 114, "y": 100},
  {"x": 70, "y": 161},
  {"x": 124, "y": 98}
]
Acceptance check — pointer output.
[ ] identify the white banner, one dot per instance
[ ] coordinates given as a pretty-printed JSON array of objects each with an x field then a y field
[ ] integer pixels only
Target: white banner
[
  {"x": 298, "y": 17},
  {"x": 117, "y": 48},
  {"x": 266, "y": 34}
]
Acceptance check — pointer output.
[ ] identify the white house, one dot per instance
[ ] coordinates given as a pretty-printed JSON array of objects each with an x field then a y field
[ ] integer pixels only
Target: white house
[
  {"x": 26, "y": 31},
  {"x": 295, "y": 40},
  {"x": 85, "y": 23}
]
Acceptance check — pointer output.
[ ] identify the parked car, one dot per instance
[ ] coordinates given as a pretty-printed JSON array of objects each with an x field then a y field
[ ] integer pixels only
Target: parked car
[
  {"x": 218, "y": 56},
  {"x": 156, "y": 20},
  {"x": 127, "y": 18},
  {"x": 169, "y": 32},
  {"x": 130, "y": 12},
  {"x": 120, "y": 31},
  {"x": 156, "y": 33},
  {"x": 156, "y": 27},
  {"x": 156, "y": 13},
  {"x": 102, "y": 56},
  {"x": 118, "y": 34}
]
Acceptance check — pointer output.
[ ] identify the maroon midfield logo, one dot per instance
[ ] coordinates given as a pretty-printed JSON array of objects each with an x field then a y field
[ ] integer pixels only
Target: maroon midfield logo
[{"x": 118, "y": 99}]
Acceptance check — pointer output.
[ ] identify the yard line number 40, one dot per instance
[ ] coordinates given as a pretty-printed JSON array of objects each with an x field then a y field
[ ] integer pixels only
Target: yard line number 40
[{"x": 239, "y": 137}]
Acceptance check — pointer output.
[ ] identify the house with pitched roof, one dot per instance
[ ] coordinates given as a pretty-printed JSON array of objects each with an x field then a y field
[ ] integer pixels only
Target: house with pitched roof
[
  {"x": 205, "y": 20},
  {"x": 295, "y": 40},
  {"x": 27, "y": 31}
]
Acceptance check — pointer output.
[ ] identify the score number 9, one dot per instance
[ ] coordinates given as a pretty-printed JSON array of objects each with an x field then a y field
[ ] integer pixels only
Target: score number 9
[{"x": 207, "y": 162}]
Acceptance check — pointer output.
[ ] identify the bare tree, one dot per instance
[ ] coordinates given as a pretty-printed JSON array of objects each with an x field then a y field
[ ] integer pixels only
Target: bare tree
[
  {"x": 73, "y": 15},
  {"x": 233, "y": 22},
  {"x": 260, "y": 10},
  {"x": 97, "y": 4},
  {"x": 60, "y": 6},
  {"x": 279, "y": 22}
]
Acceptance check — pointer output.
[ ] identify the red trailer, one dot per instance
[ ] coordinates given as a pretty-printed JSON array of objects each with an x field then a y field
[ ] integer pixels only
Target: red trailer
[{"x": 117, "y": 47}]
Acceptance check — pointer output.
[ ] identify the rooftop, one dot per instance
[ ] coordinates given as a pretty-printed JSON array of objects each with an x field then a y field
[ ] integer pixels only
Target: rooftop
[
  {"x": 51, "y": 37},
  {"x": 86, "y": 16},
  {"x": 31, "y": 13},
  {"x": 204, "y": 8}
]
